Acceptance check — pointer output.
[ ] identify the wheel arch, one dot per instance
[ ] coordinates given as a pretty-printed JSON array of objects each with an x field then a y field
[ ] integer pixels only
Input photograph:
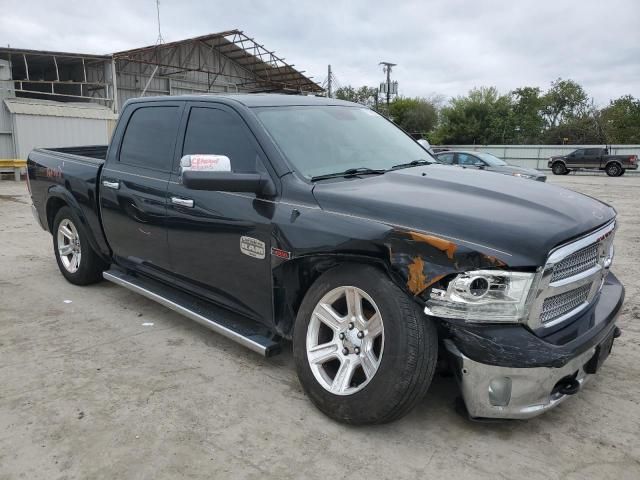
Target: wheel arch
[
  {"x": 58, "y": 198},
  {"x": 293, "y": 279},
  {"x": 561, "y": 161},
  {"x": 617, "y": 162}
]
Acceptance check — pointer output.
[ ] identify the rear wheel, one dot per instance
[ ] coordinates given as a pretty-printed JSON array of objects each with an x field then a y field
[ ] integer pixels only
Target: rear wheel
[
  {"x": 559, "y": 168},
  {"x": 76, "y": 259},
  {"x": 622, "y": 170},
  {"x": 614, "y": 169},
  {"x": 364, "y": 351}
]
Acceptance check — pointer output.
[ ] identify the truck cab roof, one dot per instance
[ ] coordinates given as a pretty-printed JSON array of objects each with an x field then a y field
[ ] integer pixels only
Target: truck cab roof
[{"x": 252, "y": 100}]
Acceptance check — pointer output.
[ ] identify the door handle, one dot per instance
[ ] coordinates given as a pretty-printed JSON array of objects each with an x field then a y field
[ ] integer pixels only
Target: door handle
[
  {"x": 108, "y": 184},
  {"x": 183, "y": 202}
]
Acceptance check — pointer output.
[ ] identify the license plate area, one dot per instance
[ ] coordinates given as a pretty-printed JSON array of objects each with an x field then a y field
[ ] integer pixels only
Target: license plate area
[{"x": 602, "y": 352}]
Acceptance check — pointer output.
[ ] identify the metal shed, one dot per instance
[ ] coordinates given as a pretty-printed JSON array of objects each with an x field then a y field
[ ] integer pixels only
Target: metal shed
[
  {"x": 45, "y": 123},
  {"x": 60, "y": 99}
]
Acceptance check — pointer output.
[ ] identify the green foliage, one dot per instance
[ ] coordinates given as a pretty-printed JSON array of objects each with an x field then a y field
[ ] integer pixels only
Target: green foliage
[
  {"x": 483, "y": 116},
  {"x": 527, "y": 103},
  {"x": 415, "y": 115},
  {"x": 621, "y": 120},
  {"x": 527, "y": 115},
  {"x": 562, "y": 114},
  {"x": 565, "y": 100},
  {"x": 364, "y": 95}
]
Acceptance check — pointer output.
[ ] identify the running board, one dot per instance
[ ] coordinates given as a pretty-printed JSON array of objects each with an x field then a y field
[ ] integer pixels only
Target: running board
[{"x": 220, "y": 320}]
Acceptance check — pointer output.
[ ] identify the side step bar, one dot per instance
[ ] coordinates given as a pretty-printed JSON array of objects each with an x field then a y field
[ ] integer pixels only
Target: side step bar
[{"x": 218, "y": 319}]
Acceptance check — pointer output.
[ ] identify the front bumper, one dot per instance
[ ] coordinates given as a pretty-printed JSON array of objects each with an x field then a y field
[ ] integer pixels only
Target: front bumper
[
  {"x": 531, "y": 391},
  {"x": 498, "y": 383}
]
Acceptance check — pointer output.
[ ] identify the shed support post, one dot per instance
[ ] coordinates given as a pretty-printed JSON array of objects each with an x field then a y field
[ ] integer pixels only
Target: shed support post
[
  {"x": 26, "y": 65},
  {"x": 55, "y": 62},
  {"x": 149, "y": 81},
  {"x": 114, "y": 86}
]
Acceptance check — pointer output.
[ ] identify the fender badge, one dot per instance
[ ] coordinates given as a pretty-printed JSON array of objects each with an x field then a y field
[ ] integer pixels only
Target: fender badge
[
  {"x": 252, "y": 247},
  {"x": 277, "y": 252}
]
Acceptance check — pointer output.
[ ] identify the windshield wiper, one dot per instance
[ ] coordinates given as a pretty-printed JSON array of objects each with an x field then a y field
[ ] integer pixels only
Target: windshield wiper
[
  {"x": 412, "y": 163},
  {"x": 350, "y": 172}
]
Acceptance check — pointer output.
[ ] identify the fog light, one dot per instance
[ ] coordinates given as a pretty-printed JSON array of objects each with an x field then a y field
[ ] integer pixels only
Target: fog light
[{"x": 500, "y": 391}]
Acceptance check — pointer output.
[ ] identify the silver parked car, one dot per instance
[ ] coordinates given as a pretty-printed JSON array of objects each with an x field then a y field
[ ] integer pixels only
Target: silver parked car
[{"x": 486, "y": 161}]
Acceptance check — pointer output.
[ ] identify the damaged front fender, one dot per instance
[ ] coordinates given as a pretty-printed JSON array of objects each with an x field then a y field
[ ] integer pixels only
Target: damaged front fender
[{"x": 420, "y": 260}]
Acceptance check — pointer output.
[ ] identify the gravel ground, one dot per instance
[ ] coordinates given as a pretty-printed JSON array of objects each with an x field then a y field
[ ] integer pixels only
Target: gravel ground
[{"x": 97, "y": 382}]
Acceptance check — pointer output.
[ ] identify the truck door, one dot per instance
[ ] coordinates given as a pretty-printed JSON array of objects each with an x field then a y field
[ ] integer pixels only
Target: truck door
[
  {"x": 591, "y": 158},
  {"x": 220, "y": 241},
  {"x": 133, "y": 184},
  {"x": 575, "y": 159}
]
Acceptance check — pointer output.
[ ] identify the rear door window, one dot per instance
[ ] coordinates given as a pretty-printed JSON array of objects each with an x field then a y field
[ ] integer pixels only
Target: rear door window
[
  {"x": 149, "y": 139},
  {"x": 446, "y": 158},
  {"x": 466, "y": 159}
]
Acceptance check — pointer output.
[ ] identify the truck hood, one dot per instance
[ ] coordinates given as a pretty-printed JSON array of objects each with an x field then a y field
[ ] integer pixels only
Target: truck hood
[{"x": 513, "y": 219}]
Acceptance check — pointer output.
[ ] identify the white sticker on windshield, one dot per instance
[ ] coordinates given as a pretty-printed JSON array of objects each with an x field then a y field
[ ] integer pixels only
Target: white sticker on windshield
[{"x": 252, "y": 247}]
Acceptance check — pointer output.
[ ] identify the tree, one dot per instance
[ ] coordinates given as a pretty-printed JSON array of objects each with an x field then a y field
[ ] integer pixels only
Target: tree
[
  {"x": 565, "y": 99},
  {"x": 483, "y": 117},
  {"x": 621, "y": 120},
  {"x": 364, "y": 95},
  {"x": 415, "y": 115},
  {"x": 527, "y": 104}
]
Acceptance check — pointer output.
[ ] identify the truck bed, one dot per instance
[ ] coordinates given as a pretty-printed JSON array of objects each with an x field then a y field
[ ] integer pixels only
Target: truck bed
[
  {"x": 98, "y": 152},
  {"x": 69, "y": 175}
]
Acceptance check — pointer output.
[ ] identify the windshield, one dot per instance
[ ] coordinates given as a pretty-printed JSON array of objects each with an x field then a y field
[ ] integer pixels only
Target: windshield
[
  {"x": 492, "y": 160},
  {"x": 320, "y": 140}
]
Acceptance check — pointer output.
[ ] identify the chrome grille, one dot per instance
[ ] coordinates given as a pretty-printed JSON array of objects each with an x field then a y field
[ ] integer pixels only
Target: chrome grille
[
  {"x": 576, "y": 263},
  {"x": 556, "y": 306},
  {"x": 571, "y": 278}
]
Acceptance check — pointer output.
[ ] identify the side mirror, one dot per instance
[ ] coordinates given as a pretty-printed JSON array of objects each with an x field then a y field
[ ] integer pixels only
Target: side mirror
[
  {"x": 213, "y": 172},
  {"x": 425, "y": 144},
  {"x": 479, "y": 164}
]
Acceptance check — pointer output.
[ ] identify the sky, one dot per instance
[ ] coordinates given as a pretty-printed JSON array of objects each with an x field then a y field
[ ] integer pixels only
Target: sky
[{"x": 441, "y": 48}]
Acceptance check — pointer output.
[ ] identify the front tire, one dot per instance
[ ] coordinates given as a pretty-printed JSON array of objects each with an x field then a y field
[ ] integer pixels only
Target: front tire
[
  {"x": 364, "y": 351},
  {"x": 77, "y": 261},
  {"x": 559, "y": 168}
]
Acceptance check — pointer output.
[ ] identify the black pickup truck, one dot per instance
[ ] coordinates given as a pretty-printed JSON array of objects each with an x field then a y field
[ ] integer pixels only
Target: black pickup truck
[
  {"x": 272, "y": 218},
  {"x": 593, "y": 159}
]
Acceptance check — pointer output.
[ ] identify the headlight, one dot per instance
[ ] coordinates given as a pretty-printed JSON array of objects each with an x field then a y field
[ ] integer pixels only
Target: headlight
[
  {"x": 483, "y": 296},
  {"x": 522, "y": 175}
]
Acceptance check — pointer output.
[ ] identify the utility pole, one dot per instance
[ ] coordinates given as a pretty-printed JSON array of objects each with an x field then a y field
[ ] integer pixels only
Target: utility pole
[
  {"x": 159, "y": 40},
  {"x": 387, "y": 68},
  {"x": 329, "y": 82}
]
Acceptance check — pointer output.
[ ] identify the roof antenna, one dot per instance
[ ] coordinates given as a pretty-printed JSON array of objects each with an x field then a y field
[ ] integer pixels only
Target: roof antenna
[{"x": 160, "y": 40}]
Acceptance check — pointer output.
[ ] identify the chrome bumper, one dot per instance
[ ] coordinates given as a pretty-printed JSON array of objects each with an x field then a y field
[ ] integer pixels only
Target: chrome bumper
[{"x": 513, "y": 393}]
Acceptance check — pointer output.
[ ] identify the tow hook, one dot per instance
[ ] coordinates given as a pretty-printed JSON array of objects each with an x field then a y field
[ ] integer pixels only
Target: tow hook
[{"x": 568, "y": 386}]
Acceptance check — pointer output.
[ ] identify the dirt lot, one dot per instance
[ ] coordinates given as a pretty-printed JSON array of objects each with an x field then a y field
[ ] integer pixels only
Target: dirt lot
[{"x": 89, "y": 390}]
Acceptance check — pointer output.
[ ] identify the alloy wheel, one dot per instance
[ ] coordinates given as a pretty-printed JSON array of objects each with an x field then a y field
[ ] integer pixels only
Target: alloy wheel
[
  {"x": 69, "y": 245},
  {"x": 345, "y": 340}
]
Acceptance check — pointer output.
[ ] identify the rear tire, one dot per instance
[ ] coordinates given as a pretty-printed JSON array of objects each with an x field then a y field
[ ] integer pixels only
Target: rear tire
[
  {"x": 613, "y": 169},
  {"x": 559, "y": 168},
  {"x": 390, "y": 373},
  {"x": 622, "y": 170},
  {"x": 77, "y": 261}
]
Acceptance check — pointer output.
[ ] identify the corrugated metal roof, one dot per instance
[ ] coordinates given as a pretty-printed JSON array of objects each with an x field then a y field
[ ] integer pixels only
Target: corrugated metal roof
[{"x": 32, "y": 106}]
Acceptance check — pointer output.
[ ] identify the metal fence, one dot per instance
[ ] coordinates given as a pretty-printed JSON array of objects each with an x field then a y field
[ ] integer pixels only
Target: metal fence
[{"x": 536, "y": 156}]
